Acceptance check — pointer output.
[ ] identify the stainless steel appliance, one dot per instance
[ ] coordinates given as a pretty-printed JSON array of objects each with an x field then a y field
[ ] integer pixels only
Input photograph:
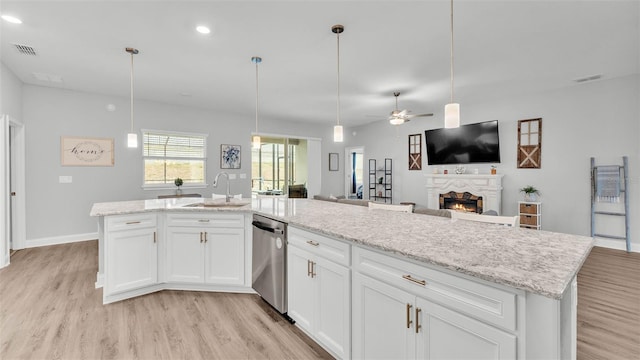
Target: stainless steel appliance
[{"x": 269, "y": 274}]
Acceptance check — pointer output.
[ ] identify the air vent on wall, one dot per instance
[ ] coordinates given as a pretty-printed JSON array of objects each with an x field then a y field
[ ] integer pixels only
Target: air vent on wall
[
  {"x": 25, "y": 49},
  {"x": 588, "y": 78}
]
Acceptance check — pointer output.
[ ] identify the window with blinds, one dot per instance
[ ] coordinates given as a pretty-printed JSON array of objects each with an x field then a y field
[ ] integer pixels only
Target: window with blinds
[{"x": 168, "y": 156}]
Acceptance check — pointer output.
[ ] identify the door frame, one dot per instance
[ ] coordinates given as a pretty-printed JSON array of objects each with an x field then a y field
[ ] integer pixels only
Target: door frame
[
  {"x": 347, "y": 169},
  {"x": 12, "y": 163}
]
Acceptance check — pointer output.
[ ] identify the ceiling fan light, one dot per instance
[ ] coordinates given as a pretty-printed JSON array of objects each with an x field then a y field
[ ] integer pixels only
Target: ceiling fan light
[
  {"x": 396, "y": 121},
  {"x": 452, "y": 115},
  {"x": 132, "y": 140},
  {"x": 338, "y": 133},
  {"x": 256, "y": 141}
]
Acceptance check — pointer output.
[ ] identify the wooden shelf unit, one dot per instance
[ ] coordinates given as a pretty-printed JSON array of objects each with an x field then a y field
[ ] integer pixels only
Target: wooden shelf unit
[{"x": 530, "y": 214}]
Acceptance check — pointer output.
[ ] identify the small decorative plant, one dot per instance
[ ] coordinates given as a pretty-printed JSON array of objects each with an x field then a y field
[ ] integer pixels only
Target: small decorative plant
[
  {"x": 178, "y": 182},
  {"x": 530, "y": 192}
]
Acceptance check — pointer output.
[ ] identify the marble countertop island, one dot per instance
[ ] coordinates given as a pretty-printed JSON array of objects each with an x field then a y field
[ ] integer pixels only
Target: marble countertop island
[{"x": 541, "y": 262}]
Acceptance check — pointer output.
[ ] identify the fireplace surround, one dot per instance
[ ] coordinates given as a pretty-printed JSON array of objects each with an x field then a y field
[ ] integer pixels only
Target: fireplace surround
[{"x": 488, "y": 187}]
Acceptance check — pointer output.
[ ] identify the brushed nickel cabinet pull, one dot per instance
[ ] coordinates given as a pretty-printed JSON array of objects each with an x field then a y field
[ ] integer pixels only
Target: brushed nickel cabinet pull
[
  {"x": 313, "y": 269},
  {"x": 200, "y": 236},
  {"x": 409, "y": 316},
  {"x": 205, "y": 237},
  {"x": 133, "y": 222},
  {"x": 203, "y": 220},
  {"x": 414, "y": 280},
  {"x": 312, "y": 243},
  {"x": 418, "y": 326},
  {"x": 155, "y": 237}
]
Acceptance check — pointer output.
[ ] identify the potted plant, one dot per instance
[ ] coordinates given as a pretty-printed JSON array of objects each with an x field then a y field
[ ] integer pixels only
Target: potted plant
[
  {"x": 530, "y": 193},
  {"x": 178, "y": 182}
]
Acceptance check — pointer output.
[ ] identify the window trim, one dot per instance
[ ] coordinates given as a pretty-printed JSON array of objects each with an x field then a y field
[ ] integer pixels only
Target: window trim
[{"x": 202, "y": 185}]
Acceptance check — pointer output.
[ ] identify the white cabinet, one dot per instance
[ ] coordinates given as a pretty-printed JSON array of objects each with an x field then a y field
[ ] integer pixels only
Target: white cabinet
[
  {"x": 403, "y": 310},
  {"x": 131, "y": 253},
  {"x": 392, "y": 323},
  {"x": 205, "y": 248},
  {"x": 319, "y": 289}
]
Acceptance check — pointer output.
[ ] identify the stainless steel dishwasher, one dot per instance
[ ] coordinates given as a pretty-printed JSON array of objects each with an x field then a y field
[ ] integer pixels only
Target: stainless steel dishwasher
[{"x": 269, "y": 270}]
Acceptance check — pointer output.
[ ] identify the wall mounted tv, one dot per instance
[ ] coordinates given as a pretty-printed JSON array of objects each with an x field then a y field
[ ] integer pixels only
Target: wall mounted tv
[{"x": 467, "y": 144}]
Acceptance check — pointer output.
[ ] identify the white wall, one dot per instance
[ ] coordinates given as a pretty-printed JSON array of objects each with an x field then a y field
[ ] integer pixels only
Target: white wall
[
  {"x": 10, "y": 93},
  {"x": 56, "y": 211},
  {"x": 599, "y": 119}
]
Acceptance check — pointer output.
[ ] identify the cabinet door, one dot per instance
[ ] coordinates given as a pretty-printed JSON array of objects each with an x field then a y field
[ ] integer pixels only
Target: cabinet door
[
  {"x": 300, "y": 287},
  {"x": 442, "y": 331},
  {"x": 224, "y": 260},
  {"x": 131, "y": 260},
  {"x": 383, "y": 320},
  {"x": 185, "y": 255},
  {"x": 333, "y": 306}
]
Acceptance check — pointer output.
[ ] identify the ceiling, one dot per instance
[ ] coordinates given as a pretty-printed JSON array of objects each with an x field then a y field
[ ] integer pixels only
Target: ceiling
[{"x": 501, "y": 48}]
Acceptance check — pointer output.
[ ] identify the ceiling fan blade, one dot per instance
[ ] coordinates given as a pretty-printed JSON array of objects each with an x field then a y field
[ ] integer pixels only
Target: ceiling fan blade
[{"x": 418, "y": 115}]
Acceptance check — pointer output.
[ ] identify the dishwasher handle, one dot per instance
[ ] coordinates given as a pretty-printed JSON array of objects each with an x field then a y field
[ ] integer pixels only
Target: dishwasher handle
[{"x": 265, "y": 227}]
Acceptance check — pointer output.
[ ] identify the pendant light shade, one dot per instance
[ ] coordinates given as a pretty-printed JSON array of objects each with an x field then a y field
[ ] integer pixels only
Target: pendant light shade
[
  {"x": 255, "y": 139},
  {"x": 452, "y": 110},
  {"x": 132, "y": 137},
  {"x": 337, "y": 129}
]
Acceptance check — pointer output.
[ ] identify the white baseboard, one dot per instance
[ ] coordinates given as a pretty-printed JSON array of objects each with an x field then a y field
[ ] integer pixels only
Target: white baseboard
[
  {"x": 616, "y": 244},
  {"x": 64, "y": 239}
]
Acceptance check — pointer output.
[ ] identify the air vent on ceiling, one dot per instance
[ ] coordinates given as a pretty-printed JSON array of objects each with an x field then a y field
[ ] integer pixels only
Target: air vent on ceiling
[
  {"x": 588, "y": 78},
  {"x": 25, "y": 49}
]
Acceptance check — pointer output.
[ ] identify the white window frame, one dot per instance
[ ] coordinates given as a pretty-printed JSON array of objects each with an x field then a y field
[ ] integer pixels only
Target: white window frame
[{"x": 202, "y": 185}]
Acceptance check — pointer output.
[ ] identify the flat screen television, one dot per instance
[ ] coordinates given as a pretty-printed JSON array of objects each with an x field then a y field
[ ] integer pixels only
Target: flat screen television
[{"x": 467, "y": 144}]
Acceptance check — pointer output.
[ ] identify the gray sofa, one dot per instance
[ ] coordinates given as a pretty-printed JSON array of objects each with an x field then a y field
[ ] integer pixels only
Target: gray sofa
[{"x": 361, "y": 202}]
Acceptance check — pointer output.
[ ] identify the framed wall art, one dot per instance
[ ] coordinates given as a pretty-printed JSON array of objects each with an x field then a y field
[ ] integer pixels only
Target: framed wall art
[
  {"x": 415, "y": 152},
  {"x": 530, "y": 143},
  {"x": 333, "y": 162},
  {"x": 86, "y": 151},
  {"x": 230, "y": 156}
]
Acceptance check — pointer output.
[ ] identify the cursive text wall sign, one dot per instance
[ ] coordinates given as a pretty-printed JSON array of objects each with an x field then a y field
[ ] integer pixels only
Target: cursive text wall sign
[{"x": 84, "y": 151}]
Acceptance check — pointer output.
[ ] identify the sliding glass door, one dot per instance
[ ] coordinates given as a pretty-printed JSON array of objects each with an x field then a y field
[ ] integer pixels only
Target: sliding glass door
[{"x": 279, "y": 167}]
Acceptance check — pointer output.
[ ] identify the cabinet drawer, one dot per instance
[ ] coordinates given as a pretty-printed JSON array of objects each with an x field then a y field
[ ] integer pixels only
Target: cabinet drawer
[
  {"x": 477, "y": 299},
  {"x": 528, "y": 220},
  {"x": 206, "y": 219},
  {"x": 130, "y": 222},
  {"x": 334, "y": 250},
  {"x": 528, "y": 208}
]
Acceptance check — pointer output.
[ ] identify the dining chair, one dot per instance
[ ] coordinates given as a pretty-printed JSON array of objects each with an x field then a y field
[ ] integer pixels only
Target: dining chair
[
  {"x": 501, "y": 220},
  {"x": 390, "y": 207}
]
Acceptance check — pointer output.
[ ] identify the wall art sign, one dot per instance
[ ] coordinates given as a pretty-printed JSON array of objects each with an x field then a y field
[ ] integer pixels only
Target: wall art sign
[
  {"x": 229, "y": 156},
  {"x": 334, "y": 161},
  {"x": 86, "y": 151},
  {"x": 530, "y": 143},
  {"x": 415, "y": 152}
]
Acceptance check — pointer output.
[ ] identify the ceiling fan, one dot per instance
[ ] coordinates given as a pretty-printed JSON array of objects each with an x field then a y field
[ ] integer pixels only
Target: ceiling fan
[{"x": 398, "y": 117}]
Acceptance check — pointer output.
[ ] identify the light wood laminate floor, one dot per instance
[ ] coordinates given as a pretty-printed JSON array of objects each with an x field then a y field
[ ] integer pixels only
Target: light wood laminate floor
[
  {"x": 49, "y": 309},
  {"x": 609, "y": 306}
]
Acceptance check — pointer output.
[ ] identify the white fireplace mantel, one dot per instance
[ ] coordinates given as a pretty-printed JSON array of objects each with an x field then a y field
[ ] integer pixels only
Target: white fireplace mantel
[{"x": 487, "y": 186}]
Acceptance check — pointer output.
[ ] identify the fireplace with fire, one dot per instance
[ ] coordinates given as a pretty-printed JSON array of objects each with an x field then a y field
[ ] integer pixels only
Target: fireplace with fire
[{"x": 461, "y": 201}]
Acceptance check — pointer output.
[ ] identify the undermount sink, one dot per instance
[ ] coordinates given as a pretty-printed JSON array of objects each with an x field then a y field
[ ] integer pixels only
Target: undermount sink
[{"x": 222, "y": 203}]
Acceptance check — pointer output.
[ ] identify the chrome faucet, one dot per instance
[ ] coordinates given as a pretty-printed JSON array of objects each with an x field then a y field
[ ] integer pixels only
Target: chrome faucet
[{"x": 215, "y": 184}]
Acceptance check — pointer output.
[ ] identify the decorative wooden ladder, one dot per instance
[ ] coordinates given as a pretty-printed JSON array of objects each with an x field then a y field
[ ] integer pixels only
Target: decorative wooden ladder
[{"x": 623, "y": 171}]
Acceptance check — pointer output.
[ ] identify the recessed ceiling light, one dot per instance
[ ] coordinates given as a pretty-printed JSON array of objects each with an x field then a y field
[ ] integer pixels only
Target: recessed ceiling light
[
  {"x": 203, "y": 29},
  {"x": 11, "y": 19}
]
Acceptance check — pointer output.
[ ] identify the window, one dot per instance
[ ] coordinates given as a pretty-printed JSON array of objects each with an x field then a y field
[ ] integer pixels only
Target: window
[
  {"x": 173, "y": 155},
  {"x": 279, "y": 164}
]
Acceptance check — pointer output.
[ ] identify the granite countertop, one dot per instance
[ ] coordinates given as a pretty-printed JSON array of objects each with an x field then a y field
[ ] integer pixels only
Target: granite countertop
[{"x": 541, "y": 262}]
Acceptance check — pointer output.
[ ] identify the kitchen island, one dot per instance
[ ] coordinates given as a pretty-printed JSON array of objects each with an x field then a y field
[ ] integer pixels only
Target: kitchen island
[{"x": 509, "y": 291}]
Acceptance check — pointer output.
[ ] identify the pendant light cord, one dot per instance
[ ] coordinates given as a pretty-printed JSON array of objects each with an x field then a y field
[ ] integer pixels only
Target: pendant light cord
[
  {"x": 257, "y": 62},
  {"x": 451, "y": 51},
  {"x": 338, "y": 61},
  {"x": 132, "y": 92}
]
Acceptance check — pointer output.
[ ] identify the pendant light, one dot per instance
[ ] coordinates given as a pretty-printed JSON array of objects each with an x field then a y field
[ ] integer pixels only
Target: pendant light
[
  {"x": 337, "y": 129},
  {"x": 452, "y": 110},
  {"x": 132, "y": 137},
  {"x": 255, "y": 140}
]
